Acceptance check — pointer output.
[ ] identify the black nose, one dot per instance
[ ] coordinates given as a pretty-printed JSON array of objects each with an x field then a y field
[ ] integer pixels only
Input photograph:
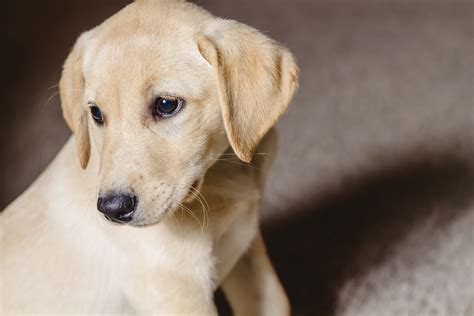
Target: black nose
[{"x": 117, "y": 207}]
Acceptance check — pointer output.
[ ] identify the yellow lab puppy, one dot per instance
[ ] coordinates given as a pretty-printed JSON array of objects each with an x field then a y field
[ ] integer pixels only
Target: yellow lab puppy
[{"x": 162, "y": 98}]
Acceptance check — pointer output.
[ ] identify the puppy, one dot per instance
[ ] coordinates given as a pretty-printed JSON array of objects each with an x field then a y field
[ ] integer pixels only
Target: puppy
[{"x": 164, "y": 101}]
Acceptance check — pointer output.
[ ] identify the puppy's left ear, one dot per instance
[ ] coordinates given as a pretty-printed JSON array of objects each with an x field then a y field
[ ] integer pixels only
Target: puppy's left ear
[
  {"x": 71, "y": 88},
  {"x": 256, "y": 79}
]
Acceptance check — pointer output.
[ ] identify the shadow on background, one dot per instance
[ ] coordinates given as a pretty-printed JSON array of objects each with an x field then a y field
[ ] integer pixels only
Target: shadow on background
[{"x": 347, "y": 232}]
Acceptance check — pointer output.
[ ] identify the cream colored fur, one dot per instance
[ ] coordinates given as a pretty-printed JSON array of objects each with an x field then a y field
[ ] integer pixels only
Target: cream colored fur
[{"x": 196, "y": 224}]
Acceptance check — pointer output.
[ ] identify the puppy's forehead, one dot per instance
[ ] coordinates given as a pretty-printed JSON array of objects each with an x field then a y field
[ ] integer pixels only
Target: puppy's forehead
[
  {"x": 147, "y": 58},
  {"x": 139, "y": 49}
]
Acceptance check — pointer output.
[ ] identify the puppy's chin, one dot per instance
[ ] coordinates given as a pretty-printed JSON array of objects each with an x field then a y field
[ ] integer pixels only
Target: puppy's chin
[{"x": 149, "y": 220}]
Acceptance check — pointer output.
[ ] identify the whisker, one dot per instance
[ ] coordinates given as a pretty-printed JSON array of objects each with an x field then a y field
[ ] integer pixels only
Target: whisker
[
  {"x": 200, "y": 193},
  {"x": 174, "y": 221},
  {"x": 205, "y": 208},
  {"x": 202, "y": 196},
  {"x": 239, "y": 163},
  {"x": 51, "y": 98},
  {"x": 192, "y": 214},
  {"x": 233, "y": 154}
]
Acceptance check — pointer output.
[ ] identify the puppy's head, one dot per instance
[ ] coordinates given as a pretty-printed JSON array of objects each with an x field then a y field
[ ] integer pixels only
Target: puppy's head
[{"x": 160, "y": 90}]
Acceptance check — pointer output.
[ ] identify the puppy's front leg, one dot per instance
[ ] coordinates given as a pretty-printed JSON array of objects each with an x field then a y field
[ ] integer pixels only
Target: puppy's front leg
[{"x": 253, "y": 288}]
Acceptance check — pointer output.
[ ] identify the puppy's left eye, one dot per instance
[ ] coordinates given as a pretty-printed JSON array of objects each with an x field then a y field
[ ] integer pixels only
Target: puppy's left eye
[
  {"x": 96, "y": 114},
  {"x": 167, "y": 106}
]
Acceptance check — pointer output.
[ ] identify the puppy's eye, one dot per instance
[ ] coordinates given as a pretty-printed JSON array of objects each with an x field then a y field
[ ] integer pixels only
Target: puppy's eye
[
  {"x": 96, "y": 114},
  {"x": 167, "y": 106}
]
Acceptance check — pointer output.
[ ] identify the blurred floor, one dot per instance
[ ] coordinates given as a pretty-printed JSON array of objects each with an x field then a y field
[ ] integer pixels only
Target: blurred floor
[{"x": 370, "y": 204}]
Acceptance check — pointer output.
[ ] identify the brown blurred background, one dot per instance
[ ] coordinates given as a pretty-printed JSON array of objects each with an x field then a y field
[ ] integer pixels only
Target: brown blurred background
[{"x": 370, "y": 204}]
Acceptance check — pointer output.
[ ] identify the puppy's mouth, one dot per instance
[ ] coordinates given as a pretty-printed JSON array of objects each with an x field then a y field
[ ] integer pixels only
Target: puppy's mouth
[
  {"x": 122, "y": 219},
  {"x": 134, "y": 218}
]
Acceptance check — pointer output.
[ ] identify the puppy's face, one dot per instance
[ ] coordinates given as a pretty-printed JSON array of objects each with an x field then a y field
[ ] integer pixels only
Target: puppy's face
[
  {"x": 160, "y": 96},
  {"x": 155, "y": 118}
]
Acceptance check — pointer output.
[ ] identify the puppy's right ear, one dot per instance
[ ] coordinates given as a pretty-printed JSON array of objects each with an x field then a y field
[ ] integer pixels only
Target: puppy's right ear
[{"x": 71, "y": 88}]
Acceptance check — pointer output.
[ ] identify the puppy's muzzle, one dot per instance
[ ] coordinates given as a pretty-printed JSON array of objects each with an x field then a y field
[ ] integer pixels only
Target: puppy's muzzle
[{"x": 118, "y": 208}]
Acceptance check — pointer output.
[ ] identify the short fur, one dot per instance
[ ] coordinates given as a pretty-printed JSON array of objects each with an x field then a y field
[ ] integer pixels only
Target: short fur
[{"x": 196, "y": 223}]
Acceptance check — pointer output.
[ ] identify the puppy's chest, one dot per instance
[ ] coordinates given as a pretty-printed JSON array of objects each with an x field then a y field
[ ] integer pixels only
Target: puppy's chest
[
  {"x": 197, "y": 249},
  {"x": 184, "y": 245}
]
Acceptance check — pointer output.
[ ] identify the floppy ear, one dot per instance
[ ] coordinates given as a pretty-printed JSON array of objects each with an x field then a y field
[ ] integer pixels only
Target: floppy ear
[
  {"x": 71, "y": 88},
  {"x": 256, "y": 79}
]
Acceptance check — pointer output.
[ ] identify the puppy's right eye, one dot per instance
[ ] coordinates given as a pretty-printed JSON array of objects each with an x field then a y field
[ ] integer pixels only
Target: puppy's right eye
[{"x": 96, "y": 114}]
